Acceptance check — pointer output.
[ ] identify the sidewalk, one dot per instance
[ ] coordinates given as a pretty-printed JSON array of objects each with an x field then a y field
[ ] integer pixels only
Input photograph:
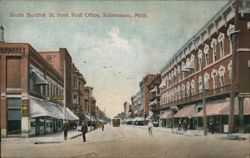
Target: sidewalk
[
  {"x": 193, "y": 132},
  {"x": 50, "y": 138}
]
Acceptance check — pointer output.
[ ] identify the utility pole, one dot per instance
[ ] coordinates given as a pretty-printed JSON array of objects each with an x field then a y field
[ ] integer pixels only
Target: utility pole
[
  {"x": 204, "y": 102},
  {"x": 234, "y": 39}
]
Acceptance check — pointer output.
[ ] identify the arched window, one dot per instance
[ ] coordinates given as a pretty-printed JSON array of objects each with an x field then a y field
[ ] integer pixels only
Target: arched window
[
  {"x": 199, "y": 59},
  {"x": 214, "y": 78},
  {"x": 213, "y": 46},
  {"x": 206, "y": 50},
  {"x": 229, "y": 31},
  {"x": 192, "y": 87},
  {"x": 221, "y": 44},
  {"x": 221, "y": 71}
]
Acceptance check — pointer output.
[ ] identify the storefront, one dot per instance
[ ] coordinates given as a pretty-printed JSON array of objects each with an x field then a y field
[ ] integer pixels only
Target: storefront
[
  {"x": 166, "y": 119},
  {"x": 187, "y": 113},
  {"x": 47, "y": 117}
]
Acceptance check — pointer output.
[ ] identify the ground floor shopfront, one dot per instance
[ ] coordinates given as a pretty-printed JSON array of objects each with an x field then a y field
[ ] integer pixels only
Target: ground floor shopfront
[
  {"x": 216, "y": 112},
  {"x": 32, "y": 116}
]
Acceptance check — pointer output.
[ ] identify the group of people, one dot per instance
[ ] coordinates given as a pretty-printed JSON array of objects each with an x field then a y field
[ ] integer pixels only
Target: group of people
[
  {"x": 84, "y": 129},
  {"x": 183, "y": 124}
]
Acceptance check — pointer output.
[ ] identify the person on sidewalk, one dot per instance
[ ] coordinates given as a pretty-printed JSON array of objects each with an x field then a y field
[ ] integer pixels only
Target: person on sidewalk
[
  {"x": 211, "y": 126},
  {"x": 102, "y": 127},
  {"x": 150, "y": 128},
  {"x": 84, "y": 130},
  {"x": 65, "y": 128}
]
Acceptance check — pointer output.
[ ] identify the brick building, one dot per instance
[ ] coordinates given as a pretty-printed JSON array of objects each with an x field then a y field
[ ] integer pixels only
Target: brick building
[
  {"x": 154, "y": 93},
  {"x": 57, "y": 59},
  {"x": 30, "y": 88},
  {"x": 78, "y": 102},
  {"x": 208, "y": 55},
  {"x": 144, "y": 92}
]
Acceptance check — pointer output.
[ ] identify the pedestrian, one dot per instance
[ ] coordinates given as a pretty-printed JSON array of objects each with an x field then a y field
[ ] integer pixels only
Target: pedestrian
[
  {"x": 150, "y": 128},
  {"x": 102, "y": 127},
  {"x": 84, "y": 130},
  {"x": 185, "y": 124},
  {"x": 65, "y": 128},
  {"x": 211, "y": 126}
]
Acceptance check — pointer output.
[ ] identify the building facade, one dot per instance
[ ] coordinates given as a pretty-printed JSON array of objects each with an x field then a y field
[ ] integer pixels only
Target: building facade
[
  {"x": 28, "y": 87},
  {"x": 144, "y": 92},
  {"x": 205, "y": 63}
]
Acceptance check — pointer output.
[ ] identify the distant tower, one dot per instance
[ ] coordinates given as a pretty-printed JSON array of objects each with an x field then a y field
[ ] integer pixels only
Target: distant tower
[{"x": 2, "y": 34}]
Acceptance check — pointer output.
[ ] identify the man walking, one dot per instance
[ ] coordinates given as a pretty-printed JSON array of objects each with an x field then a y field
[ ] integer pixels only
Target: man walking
[
  {"x": 84, "y": 130},
  {"x": 150, "y": 128},
  {"x": 65, "y": 128}
]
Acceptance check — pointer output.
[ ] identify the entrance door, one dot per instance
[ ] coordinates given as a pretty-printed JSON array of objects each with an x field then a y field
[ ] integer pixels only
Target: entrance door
[{"x": 14, "y": 116}]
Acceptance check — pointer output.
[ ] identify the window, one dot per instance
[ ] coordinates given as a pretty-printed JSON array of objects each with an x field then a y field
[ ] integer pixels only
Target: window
[
  {"x": 188, "y": 88},
  {"x": 213, "y": 46},
  {"x": 200, "y": 84},
  {"x": 229, "y": 31},
  {"x": 199, "y": 60},
  {"x": 183, "y": 90},
  {"x": 192, "y": 87},
  {"x": 214, "y": 77},
  {"x": 206, "y": 81},
  {"x": 221, "y": 74},
  {"x": 49, "y": 58},
  {"x": 221, "y": 44},
  {"x": 206, "y": 49}
]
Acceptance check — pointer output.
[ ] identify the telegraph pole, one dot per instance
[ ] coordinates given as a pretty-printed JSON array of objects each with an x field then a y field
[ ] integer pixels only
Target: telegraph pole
[
  {"x": 234, "y": 39},
  {"x": 204, "y": 102}
]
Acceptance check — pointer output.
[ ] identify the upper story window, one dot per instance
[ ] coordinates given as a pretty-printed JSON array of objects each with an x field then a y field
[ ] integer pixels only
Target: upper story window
[
  {"x": 178, "y": 72},
  {"x": 206, "y": 50},
  {"x": 188, "y": 88},
  {"x": 206, "y": 80},
  {"x": 214, "y": 78},
  {"x": 199, "y": 59},
  {"x": 221, "y": 71},
  {"x": 49, "y": 58},
  {"x": 179, "y": 92},
  {"x": 192, "y": 87},
  {"x": 213, "y": 46},
  {"x": 221, "y": 44},
  {"x": 229, "y": 31},
  {"x": 229, "y": 67},
  {"x": 200, "y": 84},
  {"x": 183, "y": 90},
  {"x": 74, "y": 81}
]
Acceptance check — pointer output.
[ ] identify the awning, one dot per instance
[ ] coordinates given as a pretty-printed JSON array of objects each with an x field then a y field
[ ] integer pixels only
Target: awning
[
  {"x": 186, "y": 111},
  {"x": 39, "y": 78},
  {"x": 40, "y": 108},
  {"x": 216, "y": 108},
  {"x": 138, "y": 119},
  {"x": 166, "y": 114},
  {"x": 70, "y": 115},
  {"x": 87, "y": 117}
]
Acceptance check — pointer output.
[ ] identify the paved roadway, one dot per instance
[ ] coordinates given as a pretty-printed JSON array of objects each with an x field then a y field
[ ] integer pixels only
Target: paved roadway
[{"x": 129, "y": 142}]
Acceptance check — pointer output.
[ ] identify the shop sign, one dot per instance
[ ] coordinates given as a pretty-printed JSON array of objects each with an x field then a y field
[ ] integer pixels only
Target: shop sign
[
  {"x": 25, "y": 108},
  {"x": 57, "y": 97}
]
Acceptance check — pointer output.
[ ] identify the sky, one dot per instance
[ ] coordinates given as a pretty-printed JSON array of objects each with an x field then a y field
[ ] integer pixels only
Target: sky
[{"x": 113, "y": 53}]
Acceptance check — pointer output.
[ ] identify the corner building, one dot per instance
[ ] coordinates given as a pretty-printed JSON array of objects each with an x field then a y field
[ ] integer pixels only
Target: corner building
[
  {"x": 28, "y": 85},
  {"x": 208, "y": 55}
]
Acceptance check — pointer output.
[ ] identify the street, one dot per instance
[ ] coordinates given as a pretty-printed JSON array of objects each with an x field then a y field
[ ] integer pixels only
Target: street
[{"x": 129, "y": 141}]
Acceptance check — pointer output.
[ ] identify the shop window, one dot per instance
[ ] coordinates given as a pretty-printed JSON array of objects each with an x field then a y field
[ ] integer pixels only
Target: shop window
[{"x": 14, "y": 116}]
